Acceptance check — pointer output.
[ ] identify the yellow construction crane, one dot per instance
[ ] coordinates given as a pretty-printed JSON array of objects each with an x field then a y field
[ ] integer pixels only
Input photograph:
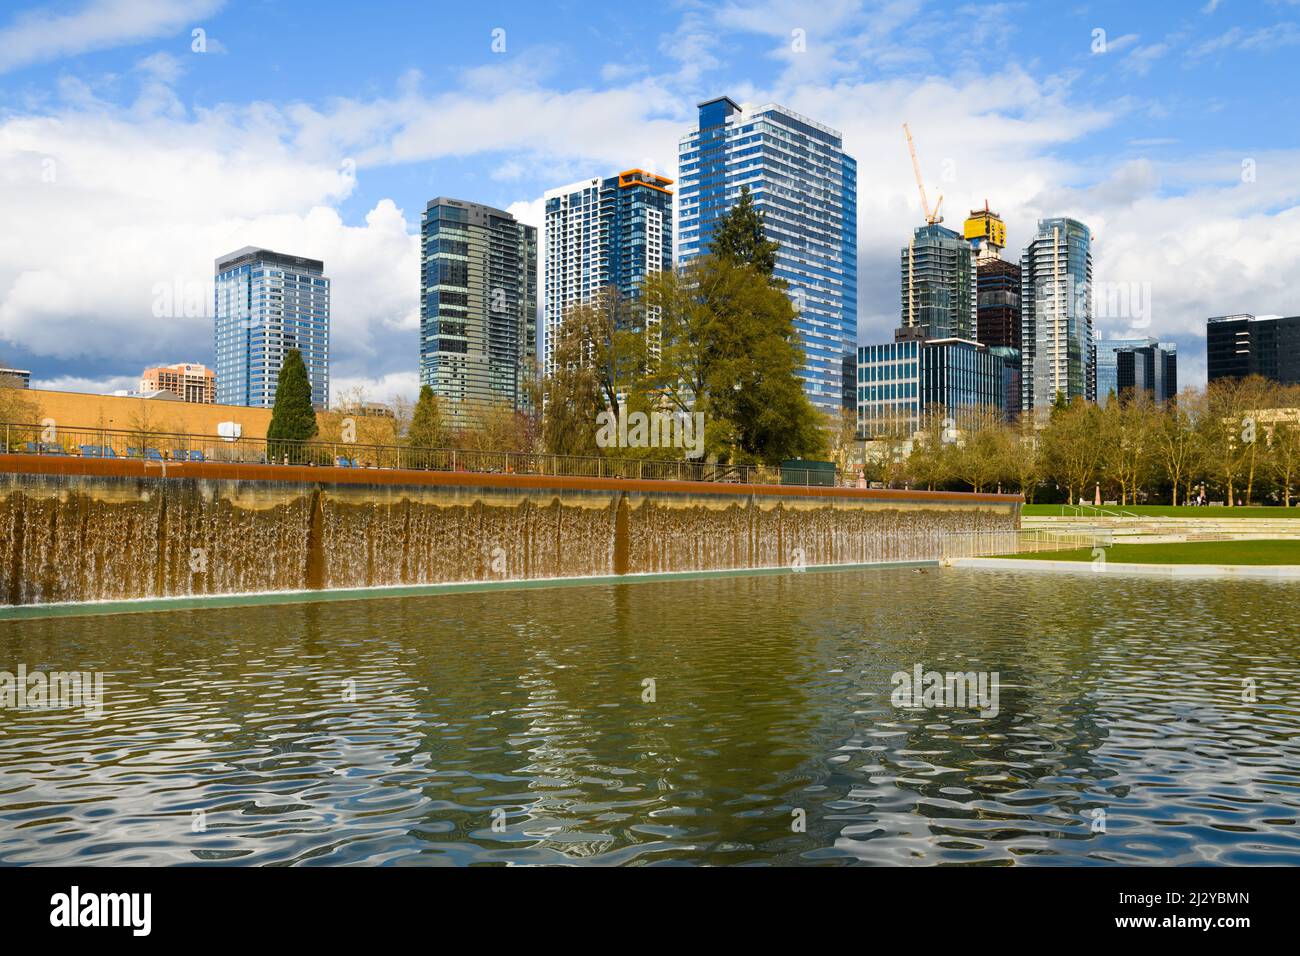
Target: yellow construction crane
[{"x": 931, "y": 218}]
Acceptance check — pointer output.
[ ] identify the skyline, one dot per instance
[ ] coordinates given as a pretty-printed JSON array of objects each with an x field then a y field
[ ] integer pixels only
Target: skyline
[{"x": 132, "y": 161}]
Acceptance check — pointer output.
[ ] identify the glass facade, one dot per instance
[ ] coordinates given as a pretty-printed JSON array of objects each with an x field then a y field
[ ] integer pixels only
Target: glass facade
[
  {"x": 601, "y": 233},
  {"x": 806, "y": 188},
  {"x": 266, "y": 304},
  {"x": 1157, "y": 371},
  {"x": 1241, "y": 345},
  {"x": 1010, "y": 379},
  {"x": 997, "y": 318},
  {"x": 478, "y": 308},
  {"x": 898, "y": 381},
  {"x": 938, "y": 284},
  {"x": 1149, "y": 368},
  {"x": 1056, "y": 337},
  {"x": 889, "y": 388}
]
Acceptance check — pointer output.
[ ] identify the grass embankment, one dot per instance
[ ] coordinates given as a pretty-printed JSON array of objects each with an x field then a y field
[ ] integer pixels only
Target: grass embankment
[
  {"x": 1159, "y": 511},
  {"x": 1191, "y": 552}
]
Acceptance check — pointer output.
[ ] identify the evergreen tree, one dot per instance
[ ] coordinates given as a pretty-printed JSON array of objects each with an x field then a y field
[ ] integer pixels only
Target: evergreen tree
[
  {"x": 426, "y": 430},
  {"x": 292, "y": 418},
  {"x": 740, "y": 237}
]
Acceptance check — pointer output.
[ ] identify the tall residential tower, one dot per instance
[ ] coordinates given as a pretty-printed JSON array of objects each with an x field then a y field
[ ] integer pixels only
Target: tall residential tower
[
  {"x": 805, "y": 186},
  {"x": 266, "y": 304},
  {"x": 938, "y": 284},
  {"x": 603, "y": 233},
  {"x": 478, "y": 308},
  {"x": 1056, "y": 336}
]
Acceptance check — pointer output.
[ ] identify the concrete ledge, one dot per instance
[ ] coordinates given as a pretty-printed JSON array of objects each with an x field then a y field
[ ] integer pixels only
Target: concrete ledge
[
  {"x": 1284, "y": 572},
  {"x": 22, "y": 464}
]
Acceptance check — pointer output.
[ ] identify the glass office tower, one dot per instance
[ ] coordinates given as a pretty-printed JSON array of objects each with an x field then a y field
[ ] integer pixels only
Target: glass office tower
[
  {"x": 478, "y": 308},
  {"x": 1056, "y": 343},
  {"x": 603, "y": 233},
  {"x": 266, "y": 304},
  {"x": 1152, "y": 369},
  {"x": 1241, "y": 345},
  {"x": 806, "y": 188},
  {"x": 1156, "y": 371},
  {"x": 898, "y": 381}
]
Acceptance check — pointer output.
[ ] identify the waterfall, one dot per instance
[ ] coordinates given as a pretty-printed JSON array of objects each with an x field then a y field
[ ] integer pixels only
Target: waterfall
[{"x": 95, "y": 538}]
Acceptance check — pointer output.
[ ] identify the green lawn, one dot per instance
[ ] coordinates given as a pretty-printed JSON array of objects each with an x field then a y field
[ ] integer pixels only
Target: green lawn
[
  {"x": 1192, "y": 552},
  {"x": 1163, "y": 511}
]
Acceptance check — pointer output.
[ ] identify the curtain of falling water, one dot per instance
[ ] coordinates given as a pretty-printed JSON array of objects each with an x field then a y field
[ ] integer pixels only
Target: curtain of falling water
[{"x": 83, "y": 538}]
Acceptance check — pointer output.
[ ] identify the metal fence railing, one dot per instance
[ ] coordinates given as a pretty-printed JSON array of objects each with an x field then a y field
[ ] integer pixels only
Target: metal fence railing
[
  {"x": 1094, "y": 511},
  {"x": 976, "y": 544},
  {"x": 167, "y": 447}
]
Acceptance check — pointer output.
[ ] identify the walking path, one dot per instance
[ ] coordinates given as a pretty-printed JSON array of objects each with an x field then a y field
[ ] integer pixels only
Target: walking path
[{"x": 1286, "y": 572}]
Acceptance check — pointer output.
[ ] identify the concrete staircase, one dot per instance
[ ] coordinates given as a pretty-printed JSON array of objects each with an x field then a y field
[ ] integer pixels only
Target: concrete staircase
[{"x": 1154, "y": 530}]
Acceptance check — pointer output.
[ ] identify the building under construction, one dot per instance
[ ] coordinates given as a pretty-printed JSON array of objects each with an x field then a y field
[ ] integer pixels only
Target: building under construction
[{"x": 997, "y": 318}]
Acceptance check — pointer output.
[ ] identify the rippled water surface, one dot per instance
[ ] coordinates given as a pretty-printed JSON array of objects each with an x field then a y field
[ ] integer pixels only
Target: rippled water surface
[{"x": 511, "y": 727}]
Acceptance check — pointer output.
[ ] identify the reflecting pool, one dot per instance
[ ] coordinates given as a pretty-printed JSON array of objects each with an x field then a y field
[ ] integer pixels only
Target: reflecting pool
[{"x": 742, "y": 720}]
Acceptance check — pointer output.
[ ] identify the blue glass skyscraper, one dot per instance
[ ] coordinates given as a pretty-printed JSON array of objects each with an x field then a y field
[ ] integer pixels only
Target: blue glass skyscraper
[
  {"x": 266, "y": 304},
  {"x": 806, "y": 188}
]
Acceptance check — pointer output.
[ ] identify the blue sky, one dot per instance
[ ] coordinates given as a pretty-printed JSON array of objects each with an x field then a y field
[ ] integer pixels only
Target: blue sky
[{"x": 129, "y": 161}]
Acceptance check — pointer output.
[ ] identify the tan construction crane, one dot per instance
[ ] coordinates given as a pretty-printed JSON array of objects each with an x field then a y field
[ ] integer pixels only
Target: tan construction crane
[{"x": 931, "y": 218}]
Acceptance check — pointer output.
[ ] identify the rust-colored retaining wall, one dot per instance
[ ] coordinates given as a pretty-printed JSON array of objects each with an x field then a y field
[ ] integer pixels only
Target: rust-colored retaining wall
[{"x": 86, "y": 529}]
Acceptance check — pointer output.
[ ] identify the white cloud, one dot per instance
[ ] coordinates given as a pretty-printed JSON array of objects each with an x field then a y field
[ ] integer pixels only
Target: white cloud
[
  {"x": 120, "y": 208},
  {"x": 1204, "y": 241},
  {"x": 93, "y": 386},
  {"x": 385, "y": 388},
  {"x": 37, "y": 36},
  {"x": 1272, "y": 37},
  {"x": 115, "y": 200},
  {"x": 1119, "y": 43},
  {"x": 598, "y": 127},
  {"x": 1140, "y": 61}
]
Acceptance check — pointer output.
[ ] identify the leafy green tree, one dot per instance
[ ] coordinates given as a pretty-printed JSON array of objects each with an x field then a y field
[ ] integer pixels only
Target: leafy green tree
[
  {"x": 740, "y": 237},
  {"x": 885, "y": 455},
  {"x": 980, "y": 457},
  {"x": 931, "y": 463},
  {"x": 1024, "y": 460},
  {"x": 1259, "y": 395},
  {"x": 1129, "y": 435},
  {"x": 1072, "y": 447},
  {"x": 1227, "y": 432},
  {"x": 609, "y": 336},
  {"x": 17, "y": 407},
  {"x": 498, "y": 427},
  {"x": 1284, "y": 449},
  {"x": 292, "y": 418},
  {"x": 1174, "y": 438},
  {"x": 845, "y": 449},
  {"x": 727, "y": 348}
]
